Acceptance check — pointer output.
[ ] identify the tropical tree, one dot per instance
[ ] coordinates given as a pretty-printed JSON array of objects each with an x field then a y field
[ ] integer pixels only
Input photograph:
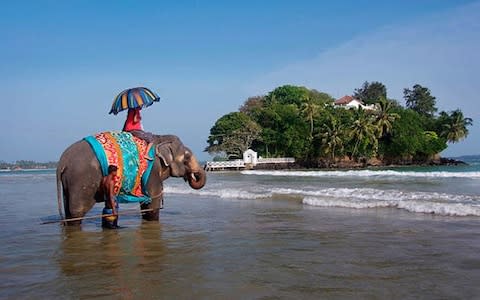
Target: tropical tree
[
  {"x": 310, "y": 110},
  {"x": 233, "y": 134},
  {"x": 300, "y": 122},
  {"x": 420, "y": 100},
  {"x": 371, "y": 93},
  {"x": 411, "y": 139},
  {"x": 454, "y": 126},
  {"x": 384, "y": 117},
  {"x": 332, "y": 137},
  {"x": 297, "y": 95},
  {"x": 236, "y": 143},
  {"x": 430, "y": 144},
  {"x": 362, "y": 133},
  {"x": 252, "y": 106},
  {"x": 287, "y": 94}
]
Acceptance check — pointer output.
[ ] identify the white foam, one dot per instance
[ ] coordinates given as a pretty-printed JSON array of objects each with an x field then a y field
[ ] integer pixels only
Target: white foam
[
  {"x": 358, "y": 198},
  {"x": 420, "y": 202},
  {"x": 377, "y": 194},
  {"x": 445, "y": 209},
  {"x": 365, "y": 173},
  {"x": 220, "y": 193}
]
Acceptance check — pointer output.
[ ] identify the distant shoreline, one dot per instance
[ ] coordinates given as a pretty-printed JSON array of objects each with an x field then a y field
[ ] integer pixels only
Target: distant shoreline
[
  {"x": 27, "y": 170},
  {"x": 29, "y": 165},
  {"x": 343, "y": 165}
]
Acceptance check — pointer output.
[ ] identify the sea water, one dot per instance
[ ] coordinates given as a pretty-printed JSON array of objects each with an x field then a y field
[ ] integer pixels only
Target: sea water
[
  {"x": 445, "y": 190},
  {"x": 393, "y": 233}
]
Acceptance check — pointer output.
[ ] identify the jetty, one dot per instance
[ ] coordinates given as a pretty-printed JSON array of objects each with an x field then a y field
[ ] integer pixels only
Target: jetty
[{"x": 250, "y": 161}]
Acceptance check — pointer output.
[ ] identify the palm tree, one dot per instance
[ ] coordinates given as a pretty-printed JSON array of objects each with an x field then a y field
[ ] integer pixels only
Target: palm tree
[
  {"x": 331, "y": 138},
  {"x": 363, "y": 132},
  {"x": 384, "y": 117},
  {"x": 310, "y": 110},
  {"x": 455, "y": 127}
]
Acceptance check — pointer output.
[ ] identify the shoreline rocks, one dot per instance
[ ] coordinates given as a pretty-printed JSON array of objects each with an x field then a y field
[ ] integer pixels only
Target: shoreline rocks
[
  {"x": 351, "y": 164},
  {"x": 346, "y": 163}
]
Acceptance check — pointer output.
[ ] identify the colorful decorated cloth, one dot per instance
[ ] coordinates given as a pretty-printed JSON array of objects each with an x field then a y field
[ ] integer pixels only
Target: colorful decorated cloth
[{"x": 122, "y": 149}]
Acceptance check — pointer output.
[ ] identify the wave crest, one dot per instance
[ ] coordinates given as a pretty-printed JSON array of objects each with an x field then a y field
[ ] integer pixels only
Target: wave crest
[
  {"x": 366, "y": 173},
  {"x": 358, "y": 198}
]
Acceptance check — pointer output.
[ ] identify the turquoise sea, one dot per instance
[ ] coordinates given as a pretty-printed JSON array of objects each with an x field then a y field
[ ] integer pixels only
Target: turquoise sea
[{"x": 390, "y": 233}]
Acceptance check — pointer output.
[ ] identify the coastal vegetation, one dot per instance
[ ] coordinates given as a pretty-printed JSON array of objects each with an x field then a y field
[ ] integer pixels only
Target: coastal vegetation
[
  {"x": 294, "y": 121},
  {"x": 27, "y": 164}
]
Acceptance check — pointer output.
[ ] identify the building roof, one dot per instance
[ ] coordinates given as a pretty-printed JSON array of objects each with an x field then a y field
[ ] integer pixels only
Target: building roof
[{"x": 345, "y": 100}]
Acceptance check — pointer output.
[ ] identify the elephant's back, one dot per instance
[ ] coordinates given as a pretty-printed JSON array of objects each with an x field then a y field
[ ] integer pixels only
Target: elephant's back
[
  {"x": 79, "y": 150},
  {"x": 79, "y": 158}
]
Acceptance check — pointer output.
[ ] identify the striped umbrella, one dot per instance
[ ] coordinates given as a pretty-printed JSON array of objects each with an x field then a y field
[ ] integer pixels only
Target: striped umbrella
[{"x": 133, "y": 98}]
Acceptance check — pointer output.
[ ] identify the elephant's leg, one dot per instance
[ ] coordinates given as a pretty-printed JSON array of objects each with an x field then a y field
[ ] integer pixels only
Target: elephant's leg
[
  {"x": 80, "y": 175},
  {"x": 150, "y": 215},
  {"x": 79, "y": 203},
  {"x": 156, "y": 204}
]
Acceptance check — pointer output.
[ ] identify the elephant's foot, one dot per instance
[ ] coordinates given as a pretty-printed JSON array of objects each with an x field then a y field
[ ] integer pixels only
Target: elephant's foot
[
  {"x": 73, "y": 219},
  {"x": 72, "y": 223},
  {"x": 153, "y": 215}
]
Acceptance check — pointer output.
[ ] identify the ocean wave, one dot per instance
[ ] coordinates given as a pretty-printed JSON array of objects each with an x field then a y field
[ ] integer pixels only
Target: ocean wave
[
  {"x": 430, "y": 207},
  {"x": 220, "y": 193},
  {"x": 413, "y": 201},
  {"x": 367, "y": 173},
  {"x": 358, "y": 198}
]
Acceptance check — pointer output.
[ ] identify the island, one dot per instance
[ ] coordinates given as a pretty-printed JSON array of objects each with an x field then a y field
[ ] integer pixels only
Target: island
[{"x": 318, "y": 131}]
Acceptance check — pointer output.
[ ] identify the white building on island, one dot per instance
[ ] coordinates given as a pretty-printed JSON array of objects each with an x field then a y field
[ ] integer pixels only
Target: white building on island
[
  {"x": 250, "y": 157},
  {"x": 351, "y": 102}
]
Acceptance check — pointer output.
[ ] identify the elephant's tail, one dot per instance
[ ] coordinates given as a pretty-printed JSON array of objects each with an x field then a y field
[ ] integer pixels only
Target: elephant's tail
[{"x": 60, "y": 170}]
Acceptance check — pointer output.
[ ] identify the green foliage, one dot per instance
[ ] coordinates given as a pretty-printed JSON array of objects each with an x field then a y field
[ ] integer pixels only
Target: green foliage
[
  {"x": 28, "y": 164},
  {"x": 310, "y": 110},
  {"x": 371, "y": 93},
  {"x": 431, "y": 144},
  {"x": 303, "y": 123},
  {"x": 332, "y": 138},
  {"x": 233, "y": 134},
  {"x": 297, "y": 95},
  {"x": 253, "y": 106},
  {"x": 362, "y": 135},
  {"x": 453, "y": 126},
  {"x": 384, "y": 117},
  {"x": 409, "y": 139},
  {"x": 420, "y": 100},
  {"x": 406, "y": 135},
  {"x": 287, "y": 132}
]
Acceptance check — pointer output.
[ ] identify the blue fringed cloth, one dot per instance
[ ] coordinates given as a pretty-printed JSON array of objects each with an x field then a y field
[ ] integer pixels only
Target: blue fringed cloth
[{"x": 127, "y": 152}]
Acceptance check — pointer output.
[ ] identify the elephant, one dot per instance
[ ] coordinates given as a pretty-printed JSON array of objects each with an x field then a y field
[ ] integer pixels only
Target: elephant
[{"x": 79, "y": 176}]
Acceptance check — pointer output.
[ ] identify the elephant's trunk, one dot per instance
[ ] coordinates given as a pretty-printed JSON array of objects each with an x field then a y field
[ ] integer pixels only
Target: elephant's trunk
[{"x": 197, "y": 180}]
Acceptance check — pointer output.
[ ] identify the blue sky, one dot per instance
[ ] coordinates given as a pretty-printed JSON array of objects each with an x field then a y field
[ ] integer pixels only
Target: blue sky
[{"x": 63, "y": 62}]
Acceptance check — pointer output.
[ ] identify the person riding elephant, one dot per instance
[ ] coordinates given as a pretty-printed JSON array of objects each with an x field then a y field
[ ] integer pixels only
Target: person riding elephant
[
  {"x": 79, "y": 176},
  {"x": 133, "y": 124}
]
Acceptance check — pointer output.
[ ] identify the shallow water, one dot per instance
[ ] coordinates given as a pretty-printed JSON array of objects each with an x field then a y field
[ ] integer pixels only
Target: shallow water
[{"x": 248, "y": 236}]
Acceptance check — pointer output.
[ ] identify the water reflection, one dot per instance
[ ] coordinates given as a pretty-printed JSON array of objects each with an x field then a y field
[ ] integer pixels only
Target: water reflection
[
  {"x": 110, "y": 262},
  {"x": 141, "y": 262}
]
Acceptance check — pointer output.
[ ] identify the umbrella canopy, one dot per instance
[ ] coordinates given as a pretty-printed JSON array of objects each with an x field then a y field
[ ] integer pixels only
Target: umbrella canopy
[{"x": 133, "y": 98}]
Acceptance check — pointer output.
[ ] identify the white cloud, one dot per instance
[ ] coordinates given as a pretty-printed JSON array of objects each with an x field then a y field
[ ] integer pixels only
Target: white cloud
[{"x": 440, "y": 51}]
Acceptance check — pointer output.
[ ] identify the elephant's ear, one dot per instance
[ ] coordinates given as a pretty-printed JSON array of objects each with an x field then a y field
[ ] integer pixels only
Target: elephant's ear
[{"x": 164, "y": 151}]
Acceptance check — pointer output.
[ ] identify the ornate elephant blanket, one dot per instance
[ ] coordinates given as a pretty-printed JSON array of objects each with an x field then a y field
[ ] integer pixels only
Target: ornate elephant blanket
[{"x": 127, "y": 152}]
